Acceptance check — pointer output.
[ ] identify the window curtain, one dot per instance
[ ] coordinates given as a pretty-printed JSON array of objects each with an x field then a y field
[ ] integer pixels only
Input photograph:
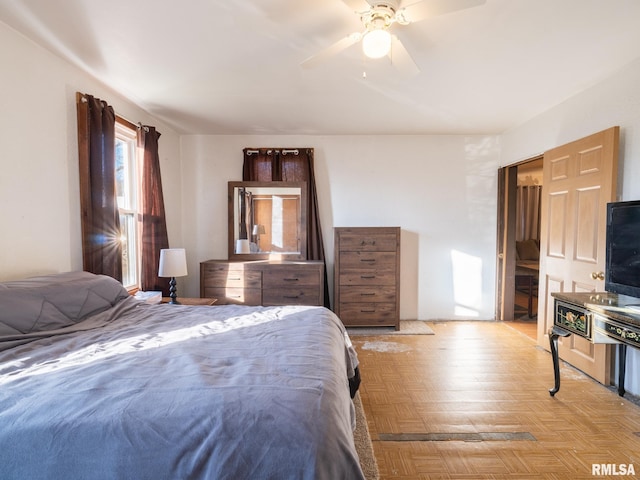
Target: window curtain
[
  {"x": 290, "y": 165},
  {"x": 246, "y": 214},
  {"x": 528, "y": 199},
  {"x": 101, "y": 247},
  {"x": 154, "y": 225}
]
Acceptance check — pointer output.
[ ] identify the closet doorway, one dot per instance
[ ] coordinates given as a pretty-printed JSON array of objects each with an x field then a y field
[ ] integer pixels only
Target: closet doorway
[{"x": 519, "y": 195}]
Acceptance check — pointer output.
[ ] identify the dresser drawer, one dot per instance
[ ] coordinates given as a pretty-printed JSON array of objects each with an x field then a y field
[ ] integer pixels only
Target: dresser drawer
[
  {"x": 297, "y": 284},
  {"x": 361, "y": 293},
  {"x": 367, "y": 277},
  {"x": 284, "y": 276},
  {"x": 363, "y": 259},
  {"x": 234, "y": 296},
  {"x": 573, "y": 318},
  {"x": 230, "y": 276},
  {"x": 294, "y": 295},
  {"x": 367, "y": 242},
  {"x": 368, "y": 314}
]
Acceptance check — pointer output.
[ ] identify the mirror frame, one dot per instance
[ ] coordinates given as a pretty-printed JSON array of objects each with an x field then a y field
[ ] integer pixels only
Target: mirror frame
[{"x": 302, "y": 223}]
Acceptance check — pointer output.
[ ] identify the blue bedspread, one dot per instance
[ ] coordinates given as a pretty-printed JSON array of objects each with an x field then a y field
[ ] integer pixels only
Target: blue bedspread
[{"x": 176, "y": 392}]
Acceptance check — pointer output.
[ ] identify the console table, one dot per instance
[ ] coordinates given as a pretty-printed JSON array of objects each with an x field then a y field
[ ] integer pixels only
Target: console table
[{"x": 600, "y": 318}]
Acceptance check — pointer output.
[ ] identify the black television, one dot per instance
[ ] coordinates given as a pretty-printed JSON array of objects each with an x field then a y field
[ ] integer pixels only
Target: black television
[{"x": 622, "y": 268}]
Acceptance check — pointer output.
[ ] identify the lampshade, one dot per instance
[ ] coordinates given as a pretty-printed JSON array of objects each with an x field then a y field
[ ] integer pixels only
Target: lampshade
[
  {"x": 243, "y": 246},
  {"x": 376, "y": 43},
  {"x": 173, "y": 262},
  {"x": 258, "y": 229}
]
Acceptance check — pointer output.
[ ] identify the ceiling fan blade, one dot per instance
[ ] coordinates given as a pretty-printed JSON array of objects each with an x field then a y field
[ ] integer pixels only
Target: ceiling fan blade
[
  {"x": 430, "y": 8},
  {"x": 332, "y": 50},
  {"x": 357, "y": 5},
  {"x": 401, "y": 59}
]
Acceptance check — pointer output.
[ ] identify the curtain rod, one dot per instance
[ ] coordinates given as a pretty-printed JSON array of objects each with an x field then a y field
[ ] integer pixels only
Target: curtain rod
[
  {"x": 295, "y": 151},
  {"x": 83, "y": 99}
]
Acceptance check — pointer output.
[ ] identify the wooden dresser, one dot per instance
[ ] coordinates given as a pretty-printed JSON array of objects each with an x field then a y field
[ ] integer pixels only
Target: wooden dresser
[
  {"x": 367, "y": 276},
  {"x": 263, "y": 282}
]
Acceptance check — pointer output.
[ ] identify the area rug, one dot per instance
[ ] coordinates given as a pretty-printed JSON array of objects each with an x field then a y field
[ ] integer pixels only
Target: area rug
[
  {"x": 363, "y": 443},
  {"x": 407, "y": 327}
]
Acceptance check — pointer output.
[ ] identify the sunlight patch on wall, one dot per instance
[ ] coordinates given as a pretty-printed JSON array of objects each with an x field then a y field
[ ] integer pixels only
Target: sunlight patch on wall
[{"x": 467, "y": 283}]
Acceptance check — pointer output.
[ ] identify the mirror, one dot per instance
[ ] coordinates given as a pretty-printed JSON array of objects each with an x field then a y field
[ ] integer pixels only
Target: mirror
[{"x": 267, "y": 220}]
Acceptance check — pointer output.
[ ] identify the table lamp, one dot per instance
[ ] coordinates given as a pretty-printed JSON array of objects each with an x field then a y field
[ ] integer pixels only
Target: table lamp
[
  {"x": 173, "y": 263},
  {"x": 258, "y": 230}
]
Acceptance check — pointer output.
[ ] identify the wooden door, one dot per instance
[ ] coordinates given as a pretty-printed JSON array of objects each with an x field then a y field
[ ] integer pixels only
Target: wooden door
[
  {"x": 579, "y": 179},
  {"x": 506, "y": 243}
]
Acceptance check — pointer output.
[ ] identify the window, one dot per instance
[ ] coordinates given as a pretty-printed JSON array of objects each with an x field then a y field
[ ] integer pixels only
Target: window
[
  {"x": 120, "y": 196},
  {"x": 128, "y": 196}
]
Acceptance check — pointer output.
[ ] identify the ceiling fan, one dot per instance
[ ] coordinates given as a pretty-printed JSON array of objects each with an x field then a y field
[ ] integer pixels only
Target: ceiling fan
[{"x": 378, "y": 17}]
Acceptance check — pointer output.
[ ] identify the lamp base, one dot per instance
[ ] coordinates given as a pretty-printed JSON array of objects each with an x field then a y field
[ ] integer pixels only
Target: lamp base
[{"x": 172, "y": 292}]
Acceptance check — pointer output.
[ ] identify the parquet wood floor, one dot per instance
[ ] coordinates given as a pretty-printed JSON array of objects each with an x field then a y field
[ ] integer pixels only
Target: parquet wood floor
[
  {"x": 528, "y": 327},
  {"x": 485, "y": 377}
]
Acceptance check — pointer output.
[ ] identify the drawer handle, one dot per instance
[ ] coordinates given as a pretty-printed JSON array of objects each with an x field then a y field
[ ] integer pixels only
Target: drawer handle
[
  {"x": 368, "y": 260},
  {"x": 364, "y": 242},
  {"x": 235, "y": 279},
  {"x": 290, "y": 279},
  {"x": 367, "y": 294},
  {"x": 291, "y": 296},
  {"x": 367, "y": 276},
  {"x": 367, "y": 311}
]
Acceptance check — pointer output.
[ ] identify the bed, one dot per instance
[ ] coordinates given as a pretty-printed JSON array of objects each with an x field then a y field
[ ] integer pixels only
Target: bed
[{"x": 96, "y": 384}]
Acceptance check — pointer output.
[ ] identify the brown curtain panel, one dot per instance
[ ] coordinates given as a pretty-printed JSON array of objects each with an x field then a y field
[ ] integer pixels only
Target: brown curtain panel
[
  {"x": 246, "y": 214},
  {"x": 528, "y": 198},
  {"x": 101, "y": 247},
  {"x": 290, "y": 165},
  {"x": 154, "y": 225}
]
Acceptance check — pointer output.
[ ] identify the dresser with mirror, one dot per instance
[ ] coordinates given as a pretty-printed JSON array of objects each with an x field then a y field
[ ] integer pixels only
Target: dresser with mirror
[{"x": 267, "y": 249}]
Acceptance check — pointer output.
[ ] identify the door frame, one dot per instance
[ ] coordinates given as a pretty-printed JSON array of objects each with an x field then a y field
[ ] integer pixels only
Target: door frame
[{"x": 506, "y": 238}]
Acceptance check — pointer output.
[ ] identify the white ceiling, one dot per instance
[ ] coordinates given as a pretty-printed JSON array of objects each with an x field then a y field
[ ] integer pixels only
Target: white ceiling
[{"x": 233, "y": 66}]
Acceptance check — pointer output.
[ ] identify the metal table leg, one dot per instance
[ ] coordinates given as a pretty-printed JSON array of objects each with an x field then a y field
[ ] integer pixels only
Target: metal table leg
[
  {"x": 622, "y": 365},
  {"x": 554, "y": 333}
]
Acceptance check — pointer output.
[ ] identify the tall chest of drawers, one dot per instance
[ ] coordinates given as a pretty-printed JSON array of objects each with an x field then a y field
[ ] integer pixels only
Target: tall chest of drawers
[
  {"x": 263, "y": 282},
  {"x": 367, "y": 276}
]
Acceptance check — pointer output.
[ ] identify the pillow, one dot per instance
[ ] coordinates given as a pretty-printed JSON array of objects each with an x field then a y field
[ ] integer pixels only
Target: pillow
[
  {"x": 528, "y": 250},
  {"x": 55, "y": 301}
]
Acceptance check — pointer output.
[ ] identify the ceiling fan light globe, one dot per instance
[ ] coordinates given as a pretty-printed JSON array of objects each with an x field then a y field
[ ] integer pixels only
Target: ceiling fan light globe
[{"x": 376, "y": 43}]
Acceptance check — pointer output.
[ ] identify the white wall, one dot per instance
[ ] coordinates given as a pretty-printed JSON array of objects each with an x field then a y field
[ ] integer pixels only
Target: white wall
[
  {"x": 441, "y": 190},
  {"x": 39, "y": 186},
  {"x": 615, "y": 101}
]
